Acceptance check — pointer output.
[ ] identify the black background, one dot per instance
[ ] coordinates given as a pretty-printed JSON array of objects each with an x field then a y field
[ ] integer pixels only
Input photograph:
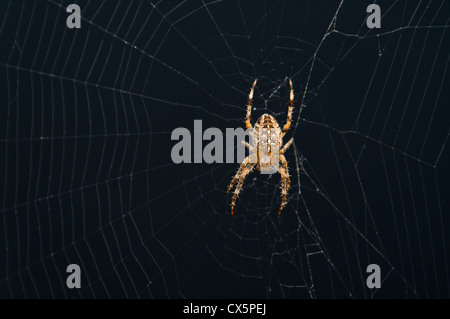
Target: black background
[{"x": 86, "y": 175}]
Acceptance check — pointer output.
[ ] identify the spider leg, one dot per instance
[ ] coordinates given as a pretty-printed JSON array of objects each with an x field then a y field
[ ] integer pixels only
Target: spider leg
[
  {"x": 238, "y": 189},
  {"x": 238, "y": 173},
  {"x": 286, "y": 146},
  {"x": 251, "y": 148},
  {"x": 290, "y": 108},
  {"x": 249, "y": 106},
  {"x": 285, "y": 181}
]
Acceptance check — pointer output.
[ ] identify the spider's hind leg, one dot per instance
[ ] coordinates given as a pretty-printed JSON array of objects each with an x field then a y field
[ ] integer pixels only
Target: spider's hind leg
[
  {"x": 238, "y": 189},
  {"x": 238, "y": 173},
  {"x": 285, "y": 181}
]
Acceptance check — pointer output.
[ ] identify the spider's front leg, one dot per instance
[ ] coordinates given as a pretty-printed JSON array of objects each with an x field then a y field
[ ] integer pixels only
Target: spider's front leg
[
  {"x": 249, "y": 106},
  {"x": 290, "y": 108}
]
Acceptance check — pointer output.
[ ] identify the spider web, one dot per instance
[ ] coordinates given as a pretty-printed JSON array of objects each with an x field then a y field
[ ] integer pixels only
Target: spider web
[{"x": 87, "y": 178}]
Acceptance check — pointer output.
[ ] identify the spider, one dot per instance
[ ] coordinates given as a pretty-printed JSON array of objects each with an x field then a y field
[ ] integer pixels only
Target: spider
[{"x": 267, "y": 136}]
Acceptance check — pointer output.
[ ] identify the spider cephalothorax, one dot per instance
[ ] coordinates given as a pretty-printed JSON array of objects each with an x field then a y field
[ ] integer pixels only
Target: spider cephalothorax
[{"x": 266, "y": 151}]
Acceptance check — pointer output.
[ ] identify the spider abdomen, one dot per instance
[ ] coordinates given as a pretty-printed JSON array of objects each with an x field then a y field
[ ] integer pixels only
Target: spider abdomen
[{"x": 268, "y": 141}]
